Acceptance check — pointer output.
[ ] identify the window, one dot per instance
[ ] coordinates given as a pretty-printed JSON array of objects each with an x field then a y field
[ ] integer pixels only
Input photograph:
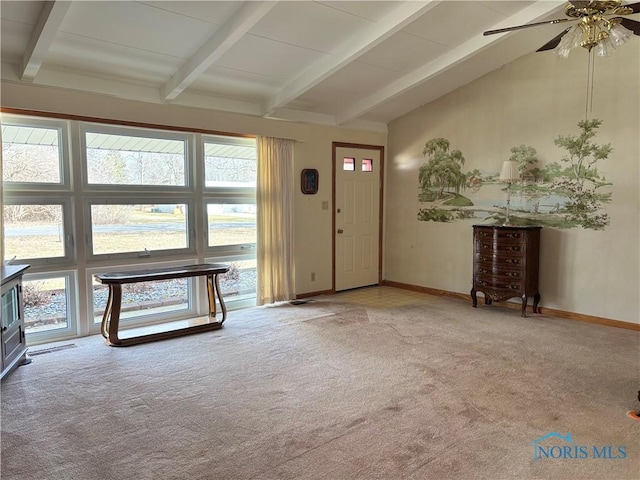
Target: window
[
  {"x": 125, "y": 159},
  {"x": 32, "y": 154},
  {"x": 141, "y": 228},
  {"x": 47, "y": 301},
  {"x": 33, "y": 231},
  {"x": 349, "y": 164},
  {"x": 230, "y": 195},
  {"x": 85, "y": 198},
  {"x": 367, "y": 165},
  {"x": 231, "y": 224},
  {"x": 230, "y": 162}
]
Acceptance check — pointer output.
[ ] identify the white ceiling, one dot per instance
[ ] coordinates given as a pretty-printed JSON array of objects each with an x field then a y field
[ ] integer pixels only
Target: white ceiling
[{"x": 348, "y": 63}]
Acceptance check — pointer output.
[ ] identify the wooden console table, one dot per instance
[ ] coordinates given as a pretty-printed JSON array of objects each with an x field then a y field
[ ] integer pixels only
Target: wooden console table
[{"x": 115, "y": 280}]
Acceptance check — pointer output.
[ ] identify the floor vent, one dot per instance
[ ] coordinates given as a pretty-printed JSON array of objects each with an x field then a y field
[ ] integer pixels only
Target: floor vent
[{"x": 51, "y": 349}]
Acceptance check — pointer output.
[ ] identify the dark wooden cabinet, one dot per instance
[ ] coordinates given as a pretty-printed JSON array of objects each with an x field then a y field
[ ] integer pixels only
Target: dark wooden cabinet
[
  {"x": 505, "y": 263},
  {"x": 12, "y": 335}
]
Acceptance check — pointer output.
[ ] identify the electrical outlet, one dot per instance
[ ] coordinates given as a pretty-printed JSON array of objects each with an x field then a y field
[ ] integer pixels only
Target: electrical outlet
[{"x": 313, "y": 276}]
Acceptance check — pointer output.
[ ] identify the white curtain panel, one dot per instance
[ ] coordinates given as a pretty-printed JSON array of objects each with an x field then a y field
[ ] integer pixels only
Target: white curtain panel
[{"x": 275, "y": 220}]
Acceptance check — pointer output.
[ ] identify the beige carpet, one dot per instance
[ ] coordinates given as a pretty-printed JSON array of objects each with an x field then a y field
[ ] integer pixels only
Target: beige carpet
[{"x": 379, "y": 384}]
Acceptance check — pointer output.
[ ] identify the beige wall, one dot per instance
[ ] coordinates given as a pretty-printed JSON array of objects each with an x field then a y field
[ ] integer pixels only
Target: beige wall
[
  {"x": 530, "y": 101},
  {"x": 313, "y": 231}
]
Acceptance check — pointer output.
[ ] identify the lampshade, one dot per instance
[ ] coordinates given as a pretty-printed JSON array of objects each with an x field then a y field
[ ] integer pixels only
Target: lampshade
[
  {"x": 509, "y": 172},
  {"x": 619, "y": 35},
  {"x": 569, "y": 40}
]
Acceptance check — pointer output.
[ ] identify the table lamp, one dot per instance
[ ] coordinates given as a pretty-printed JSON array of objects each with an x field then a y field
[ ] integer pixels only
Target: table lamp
[{"x": 509, "y": 174}]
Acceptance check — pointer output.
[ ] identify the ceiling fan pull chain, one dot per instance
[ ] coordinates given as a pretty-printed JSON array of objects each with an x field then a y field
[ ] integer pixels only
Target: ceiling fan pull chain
[
  {"x": 589, "y": 98},
  {"x": 593, "y": 69}
]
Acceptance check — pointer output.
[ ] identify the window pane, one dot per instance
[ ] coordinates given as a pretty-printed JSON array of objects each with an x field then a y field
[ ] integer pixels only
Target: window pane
[
  {"x": 367, "y": 165},
  {"x": 30, "y": 154},
  {"x": 349, "y": 164},
  {"x": 134, "y": 228},
  {"x": 231, "y": 224},
  {"x": 45, "y": 304},
  {"x": 230, "y": 165},
  {"x": 240, "y": 280},
  {"x": 126, "y": 160},
  {"x": 33, "y": 231},
  {"x": 144, "y": 298}
]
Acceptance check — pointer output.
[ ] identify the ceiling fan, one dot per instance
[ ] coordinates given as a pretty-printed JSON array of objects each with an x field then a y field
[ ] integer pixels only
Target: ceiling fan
[{"x": 598, "y": 25}]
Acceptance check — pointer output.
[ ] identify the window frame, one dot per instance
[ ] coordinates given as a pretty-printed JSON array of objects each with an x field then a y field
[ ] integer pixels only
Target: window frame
[
  {"x": 190, "y": 231},
  {"x": 231, "y": 249},
  {"x": 189, "y": 153},
  {"x": 231, "y": 141},
  {"x": 66, "y": 203},
  {"x": 243, "y": 300},
  {"x": 72, "y": 328},
  {"x": 66, "y": 178},
  {"x": 76, "y": 196}
]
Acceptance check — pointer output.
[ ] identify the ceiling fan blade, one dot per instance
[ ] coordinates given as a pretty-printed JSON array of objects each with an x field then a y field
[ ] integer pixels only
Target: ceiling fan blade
[
  {"x": 632, "y": 25},
  {"x": 519, "y": 27},
  {"x": 634, "y": 6},
  {"x": 553, "y": 43}
]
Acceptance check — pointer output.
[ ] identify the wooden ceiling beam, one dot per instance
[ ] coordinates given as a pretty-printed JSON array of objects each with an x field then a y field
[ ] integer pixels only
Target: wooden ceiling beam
[
  {"x": 406, "y": 13},
  {"x": 45, "y": 30},
  {"x": 248, "y": 15},
  {"x": 537, "y": 11}
]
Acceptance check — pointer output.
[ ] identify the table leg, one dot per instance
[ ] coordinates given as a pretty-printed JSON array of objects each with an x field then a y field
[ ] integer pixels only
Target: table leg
[
  {"x": 213, "y": 290},
  {"x": 104, "y": 327},
  {"x": 115, "y": 296}
]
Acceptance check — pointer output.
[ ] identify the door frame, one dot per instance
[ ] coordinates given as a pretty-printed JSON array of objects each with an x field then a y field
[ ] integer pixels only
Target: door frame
[{"x": 380, "y": 149}]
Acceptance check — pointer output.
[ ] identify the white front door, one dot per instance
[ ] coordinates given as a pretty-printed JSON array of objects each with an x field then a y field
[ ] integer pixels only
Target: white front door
[{"x": 358, "y": 172}]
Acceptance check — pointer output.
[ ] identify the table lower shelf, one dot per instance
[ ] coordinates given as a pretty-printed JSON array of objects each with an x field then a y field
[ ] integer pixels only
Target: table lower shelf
[{"x": 164, "y": 331}]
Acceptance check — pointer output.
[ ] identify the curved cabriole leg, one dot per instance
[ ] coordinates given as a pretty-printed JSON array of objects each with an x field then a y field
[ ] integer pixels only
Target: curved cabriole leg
[
  {"x": 115, "y": 294},
  {"x": 211, "y": 297},
  {"x": 536, "y": 301},
  {"x": 474, "y": 298},
  {"x": 487, "y": 299},
  {"x": 104, "y": 327},
  {"x": 524, "y": 306},
  {"x": 213, "y": 290},
  {"x": 222, "y": 305}
]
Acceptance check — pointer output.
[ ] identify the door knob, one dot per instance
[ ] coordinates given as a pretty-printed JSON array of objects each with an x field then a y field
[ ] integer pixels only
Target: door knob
[{"x": 340, "y": 230}]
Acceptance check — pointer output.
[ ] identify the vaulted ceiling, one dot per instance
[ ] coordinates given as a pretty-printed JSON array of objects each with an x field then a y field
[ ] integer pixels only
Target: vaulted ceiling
[{"x": 348, "y": 63}]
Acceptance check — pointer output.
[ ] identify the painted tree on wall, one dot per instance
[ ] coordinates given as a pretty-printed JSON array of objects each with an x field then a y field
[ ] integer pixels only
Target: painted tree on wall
[
  {"x": 581, "y": 185},
  {"x": 567, "y": 193},
  {"x": 442, "y": 169},
  {"x": 526, "y": 157}
]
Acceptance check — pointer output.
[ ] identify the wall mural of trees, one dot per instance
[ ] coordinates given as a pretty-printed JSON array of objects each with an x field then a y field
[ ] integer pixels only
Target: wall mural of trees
[{"x": 568, "y": 193}]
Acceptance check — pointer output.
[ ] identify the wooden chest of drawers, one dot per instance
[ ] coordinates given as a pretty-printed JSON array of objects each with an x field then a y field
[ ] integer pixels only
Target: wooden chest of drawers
[{"x": 505, "y": 263}]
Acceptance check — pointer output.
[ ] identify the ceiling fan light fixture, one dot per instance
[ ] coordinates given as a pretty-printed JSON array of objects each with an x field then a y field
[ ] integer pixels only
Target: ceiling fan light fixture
[
  {"x": 605, "y": 47},
  {"x": 569, "y": 40},
  {"x": 619, "y": 35}
]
